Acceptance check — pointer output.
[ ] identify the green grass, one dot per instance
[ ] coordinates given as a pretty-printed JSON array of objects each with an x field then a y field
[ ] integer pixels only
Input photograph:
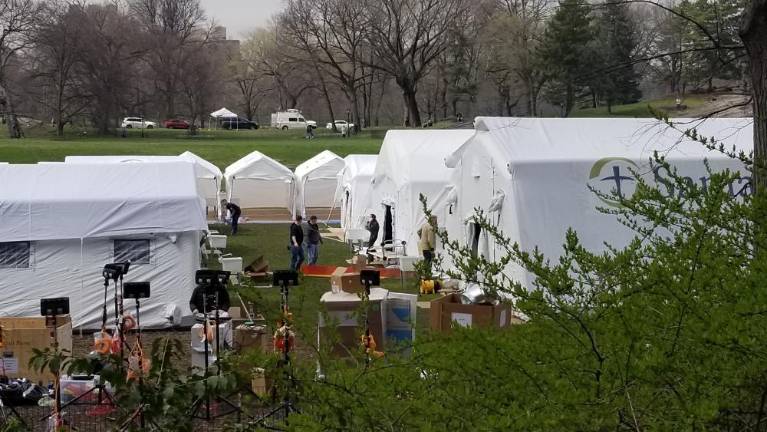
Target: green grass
[
  {"x": 219, "y": 147},
  {"x": 270, "y": 241},
  {"x": 639, "y": 109}
]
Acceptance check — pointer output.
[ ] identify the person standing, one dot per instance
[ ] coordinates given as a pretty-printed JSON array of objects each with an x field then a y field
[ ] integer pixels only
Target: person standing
[
  {"x": 309, "y": 132},
  {"x": 313, "y": 241},
  {"x": 235, "y": 212},
  {"x": 373, "y": 227},
  {"x": 427, "y": 241},
  {"x": 296, "y": 244}
]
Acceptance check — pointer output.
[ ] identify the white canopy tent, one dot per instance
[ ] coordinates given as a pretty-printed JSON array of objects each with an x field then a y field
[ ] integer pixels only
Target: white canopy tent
[
  {"x": 258, "y": 181},
  {"x": 208, "y": 175},
  {"x": 223, "y": 113},
  {"x": 410, "y": 163},
  {"x": 353, "y": 188},
  {"x": 63, "y": 222},
  {"x": 532, "y": 176},
  {"x": 317, "y": 181}
]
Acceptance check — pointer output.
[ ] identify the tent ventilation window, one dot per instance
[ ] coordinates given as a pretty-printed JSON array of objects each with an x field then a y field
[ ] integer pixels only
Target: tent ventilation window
[
  {"x": 475, "y": 231},
  {"x": 15, "y": 255},
  {"x": 135, "y": 251}
]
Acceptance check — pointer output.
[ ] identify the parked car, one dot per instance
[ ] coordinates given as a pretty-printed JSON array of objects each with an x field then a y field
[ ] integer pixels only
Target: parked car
[
  {"x": 175, "y": 124},
  {"x": 339, "y": 125},
  {"x": 138, "y": 123},
  {"x": 238, "y": 123},
  {"x": 291, "y": 119}
]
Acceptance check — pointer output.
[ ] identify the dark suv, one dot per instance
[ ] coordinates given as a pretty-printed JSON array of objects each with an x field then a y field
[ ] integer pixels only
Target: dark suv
[{"x": 238, "y": 123}]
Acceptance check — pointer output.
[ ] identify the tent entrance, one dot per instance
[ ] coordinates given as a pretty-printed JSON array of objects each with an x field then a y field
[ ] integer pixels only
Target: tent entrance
[
  {"x": 388, "y": 228},
  {"x": 475, "y": 231}
]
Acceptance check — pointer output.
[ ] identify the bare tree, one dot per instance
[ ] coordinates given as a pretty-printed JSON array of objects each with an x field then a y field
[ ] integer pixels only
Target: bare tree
[
  {"x": 17, "y": 20},
  {"x": 172, "y": 33},
  {"x": 332, "y": 33},
  {"x": 406, "y": 37},
  {"x": 57, "y": 45}
]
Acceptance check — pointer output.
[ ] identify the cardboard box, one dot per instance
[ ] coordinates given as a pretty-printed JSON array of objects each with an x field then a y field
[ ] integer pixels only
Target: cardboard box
[
  {"x": 342, "y": 280},
  {"x": 340, "y": 322},
  {"x": 261, "y": 384},
  {"x": 249, "y": 337},
  {"x": 22, "y": 334},
  {"x": 448, "y": 311}
]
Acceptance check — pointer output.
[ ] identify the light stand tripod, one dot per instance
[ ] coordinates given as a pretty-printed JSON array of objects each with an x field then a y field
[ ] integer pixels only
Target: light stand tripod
[
  {"x": 284, "y": 278},
  {"x": 368, "y": 279},
  {"x": 211, "y": 281},
  {"x": 51, "y": 308},
  {"x": 137, "y": 291}
]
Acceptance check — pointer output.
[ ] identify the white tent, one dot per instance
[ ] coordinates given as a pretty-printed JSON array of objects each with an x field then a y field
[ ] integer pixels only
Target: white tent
[
  {"x": 223, "y": 113},
  {"x": 410, "y": 163},
  {"x": 63, "y": 222},
  {"x": 353, "y": 188},
  {"x": 258, "y": 181},
  {"x": 316, "y": 182},
  {"x": 532, "y": 176},
  {"x": 208, "y": 175}
]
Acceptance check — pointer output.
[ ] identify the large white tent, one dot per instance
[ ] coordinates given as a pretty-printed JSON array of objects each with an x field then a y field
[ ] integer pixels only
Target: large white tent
[
  {"x": 316, "y": 182},
  {"x": 258, "y": 181},
  {"x": 410, "y": 163},
  {"x": 208, "y": 175},
  {"x": 61, "y": 223},
  {"x": 532, "y": 176},
  {"x": 353, "y": 188}
]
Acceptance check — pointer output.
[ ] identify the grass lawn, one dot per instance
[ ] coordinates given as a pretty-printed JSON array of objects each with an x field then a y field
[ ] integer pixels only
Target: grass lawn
[
  {"x": 639, "y": 109},
  {"x": 220, "y": 147},
  {"x": 271, "y": 240}
]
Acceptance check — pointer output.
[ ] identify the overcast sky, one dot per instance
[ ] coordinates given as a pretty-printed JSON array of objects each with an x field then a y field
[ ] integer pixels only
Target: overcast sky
[{"x": 241, "y": 16}]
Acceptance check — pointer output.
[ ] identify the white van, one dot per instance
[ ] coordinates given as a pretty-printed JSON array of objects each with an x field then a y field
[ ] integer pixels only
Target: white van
[{"x": 291, "y": 119}]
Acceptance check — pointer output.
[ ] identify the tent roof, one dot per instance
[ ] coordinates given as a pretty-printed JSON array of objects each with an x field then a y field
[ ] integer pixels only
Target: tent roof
[
  {"x": 213, "y": 170},
  {"x": 203, "y": 168},
  {"x": 223, "y": 113},
  {"x": 68, "y": 201},
  {"x": 533, "y": 140},
  {"x": 408, "y": 156},
  {"x": 323, "y": 165},
  {"x": 258, "y": 166},
  {"x": 358, "y": 165}
]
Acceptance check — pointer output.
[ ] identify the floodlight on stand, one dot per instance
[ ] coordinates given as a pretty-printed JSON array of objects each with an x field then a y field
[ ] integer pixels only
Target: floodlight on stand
[
  {"x": 54, "y": 306},
  {"x": 285, "y": 278},
  {"x": 115, "y": 270},
  {"x": 136, "y": 290},
  {"x": 370, "y": 278},
  {"x": 211, "y": 277}
]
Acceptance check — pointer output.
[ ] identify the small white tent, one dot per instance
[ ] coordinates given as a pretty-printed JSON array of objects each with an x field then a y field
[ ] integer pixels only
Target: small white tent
[
  {"x": 532, "y": 176},
  {"x": 223, "y": 113},
  {"x": 258, "y": 181},
  {"x": 353, "y": 188},
  {"x": 61, "y": 223},
  {"x": 410, "y": 163},
  {"x": 316, "y": 182},
  {"x": 208, "y": 175}
]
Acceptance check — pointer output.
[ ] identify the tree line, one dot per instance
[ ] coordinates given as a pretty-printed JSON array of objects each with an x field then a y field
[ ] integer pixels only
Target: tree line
[{"x": 406, "y": 62}]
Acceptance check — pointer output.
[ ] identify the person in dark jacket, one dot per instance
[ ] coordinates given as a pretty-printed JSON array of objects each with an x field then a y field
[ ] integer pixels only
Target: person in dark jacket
[
  {"x": 373, "y": 227},
  {"x": 313, "y": 240},
  {"x": 236, "y": 212},
  {"x": 296, "y": 244}
]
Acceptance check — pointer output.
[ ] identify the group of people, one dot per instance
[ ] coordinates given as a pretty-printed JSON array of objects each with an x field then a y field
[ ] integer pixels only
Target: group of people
[
  {"x": 305, "y": 240},
  {"x": 426, "y": 237}
]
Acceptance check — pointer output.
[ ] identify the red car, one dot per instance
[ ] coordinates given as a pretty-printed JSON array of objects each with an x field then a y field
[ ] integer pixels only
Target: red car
[{"x": 175, "y": 124}]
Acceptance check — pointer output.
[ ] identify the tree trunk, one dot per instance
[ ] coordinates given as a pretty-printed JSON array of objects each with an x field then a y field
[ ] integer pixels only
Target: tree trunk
[
  {"x": 414, "y": 117},
  {"x": 754, "y": 34},
  {"x": 6, "y": 104}
]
